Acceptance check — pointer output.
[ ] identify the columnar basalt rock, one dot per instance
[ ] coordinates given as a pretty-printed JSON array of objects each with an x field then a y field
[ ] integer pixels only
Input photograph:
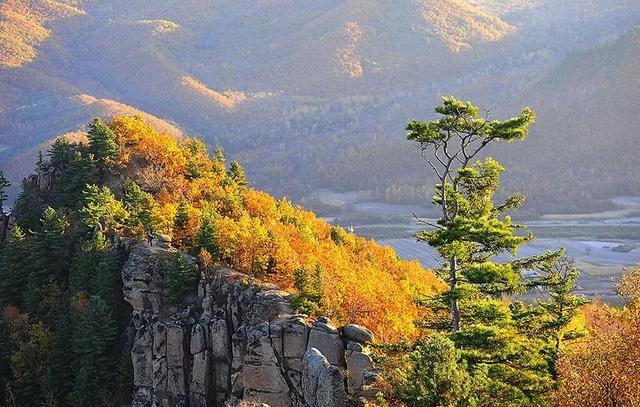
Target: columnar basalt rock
[{"x": 237, "y": 340}]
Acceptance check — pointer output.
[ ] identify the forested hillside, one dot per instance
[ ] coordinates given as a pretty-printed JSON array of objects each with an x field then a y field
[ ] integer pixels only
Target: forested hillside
[
  {"x": 313, "y": 92},
  {"x": 60, "y": 287}
]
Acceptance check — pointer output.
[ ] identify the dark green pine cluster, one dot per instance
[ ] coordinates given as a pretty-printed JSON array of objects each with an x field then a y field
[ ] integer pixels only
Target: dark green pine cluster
[
  {"x": 59, "y": 285},
  {"x": 481, "y": 347}
]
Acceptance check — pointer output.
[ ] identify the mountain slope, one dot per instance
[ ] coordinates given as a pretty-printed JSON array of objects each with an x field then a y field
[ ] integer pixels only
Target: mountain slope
[{"x": 299, "y": 91}]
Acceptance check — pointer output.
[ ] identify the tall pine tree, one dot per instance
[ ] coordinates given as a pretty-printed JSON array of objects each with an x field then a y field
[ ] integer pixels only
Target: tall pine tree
[
  {"x": 471, "y": 231},
  {"x": 50, "y": 257},
  {"x": 94, "y": 346},
  {"x": 102, "y": 142}
]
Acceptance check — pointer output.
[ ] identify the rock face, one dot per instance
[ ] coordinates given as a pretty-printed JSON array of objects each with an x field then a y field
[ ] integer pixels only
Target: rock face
[
  {"x": 322, "y": 382},
  {"x": 237, "y": 340}
]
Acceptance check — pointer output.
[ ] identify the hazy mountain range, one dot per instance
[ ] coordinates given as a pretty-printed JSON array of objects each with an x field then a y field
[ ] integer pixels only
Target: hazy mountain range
[{"x": 315, "y": 94}]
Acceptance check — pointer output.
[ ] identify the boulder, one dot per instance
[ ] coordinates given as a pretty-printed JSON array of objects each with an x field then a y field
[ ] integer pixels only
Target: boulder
[
  {"x": 357, "y": 333},
  {"x": 325, "y": 338},
  {"x": 357, "y": 364},
  {"x": 322, "y": 383},
  {"x": 164, "y": 241}
]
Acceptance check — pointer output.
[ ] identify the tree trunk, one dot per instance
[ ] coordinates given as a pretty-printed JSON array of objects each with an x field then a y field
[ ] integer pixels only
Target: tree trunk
[{"x": 453, "y": 285}]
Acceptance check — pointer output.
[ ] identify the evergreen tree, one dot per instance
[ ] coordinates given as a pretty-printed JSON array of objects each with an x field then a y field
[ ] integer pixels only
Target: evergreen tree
[
  {"x": 139, "y": 204},
  {"x": 206, "y": 238},
  {"x": 237, "y": 174},
  {"x": 471, "y": 231},
  {"x": 29, "y": 206},
  {"x": 93, "y": 345},
  {"x": 310, "y": 290},
  {"x": 433, "y": 375},
  {"x": 197, "y": 158},
  {"x": 178, "y": 276},
  {"x": 74, "y": 169},
  {"x": 551, "y": 318},
  {"x": 41, "y": 164},
  {"x": 102, "y": 142},
  {"x": 95, "y": 270},
  {"x": 14, "y": 268},
  {"x": 60, "y": 375},
  {"x": 101, "y": 210},
  {"x": 182, "y": 213},
  {"x": 50, "y": 257}
]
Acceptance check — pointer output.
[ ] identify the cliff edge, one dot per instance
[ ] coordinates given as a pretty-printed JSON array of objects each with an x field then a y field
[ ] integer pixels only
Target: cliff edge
[{"x": 235, "y": 339}]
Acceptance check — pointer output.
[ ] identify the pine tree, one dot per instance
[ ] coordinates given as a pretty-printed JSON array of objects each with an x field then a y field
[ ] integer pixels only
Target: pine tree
[
  {"x": 102, "y": 142},
  {"x": 139, "y": 204},
  {"x": 310, "y": 290},
  {"x": 433, "y": 375},
  {"x": 206, "y": 238},
  {"x": 551, "y": 318},
  {"x": 41, "y": 164},
  {"x": 14, "y": 268},
  {"x": 179, "y": 274},
  {"x": 49, "y": 257},
  {"x": 471, "y": 231},
  {"x": 60, "y": 375},
  {"x": 237, "y": 174},
  {"x": 94, "y": 345},
  {"x": 74, "y": 169},
  {"x": 182, "y": 213},
  {"x": 95, "y": 270},
  {"x": 102, "y": 210}
]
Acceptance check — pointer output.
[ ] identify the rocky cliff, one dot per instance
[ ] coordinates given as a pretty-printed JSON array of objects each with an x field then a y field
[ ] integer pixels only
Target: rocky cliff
[{"x": 235, "y": 340}]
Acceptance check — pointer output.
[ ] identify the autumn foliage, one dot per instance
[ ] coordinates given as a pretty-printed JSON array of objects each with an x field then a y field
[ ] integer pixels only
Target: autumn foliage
[
  {"x": 209, "y": 211},
  {"x": 603, "y": 369}
]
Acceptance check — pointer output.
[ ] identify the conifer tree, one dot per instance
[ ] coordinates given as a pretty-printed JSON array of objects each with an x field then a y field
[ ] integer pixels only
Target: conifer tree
[
  {"x": 237, "y": 174},
  {"x": 49, "y": 256},
  {"x": 102, "y": 210},
  {"x": 470, "y": 233},
  {"x": 182, "y": 213},
  {"x": 95, "y": 270},
  {"x": 74, "y": 168},
  {"x": 139, "y": 205},
  {"x": 41, "y": 164},
  {"x": 102, "y": 142},
  {"x": 14, "y": 268},
  {"x": 60, "y": 374},
  {"x": 179, "y": 273},
  {"x": 550, "y": 319},
  {"x": 206, "y": 238},
  {"x": 93, "y": 346},
  {"x": 432, "y": 375},
  {"x": 310, "y": 290}
]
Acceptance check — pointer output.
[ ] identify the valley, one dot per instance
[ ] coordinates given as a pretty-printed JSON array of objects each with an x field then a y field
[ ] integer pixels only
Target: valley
[{"x": 600, "y": 243}]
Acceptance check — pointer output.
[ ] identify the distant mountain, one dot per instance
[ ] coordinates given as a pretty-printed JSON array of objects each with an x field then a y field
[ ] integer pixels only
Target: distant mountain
[{"x": 305, "y": 93}]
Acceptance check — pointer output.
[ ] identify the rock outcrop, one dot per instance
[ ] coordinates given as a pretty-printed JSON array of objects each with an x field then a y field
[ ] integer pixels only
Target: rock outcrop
[{"x": 236, "y": 339}]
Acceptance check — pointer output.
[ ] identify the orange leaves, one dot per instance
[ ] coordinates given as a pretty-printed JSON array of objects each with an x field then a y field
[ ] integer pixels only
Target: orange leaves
[
  {"x": 252, "y": 232},
  {"x": 603, "y": 369}
]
